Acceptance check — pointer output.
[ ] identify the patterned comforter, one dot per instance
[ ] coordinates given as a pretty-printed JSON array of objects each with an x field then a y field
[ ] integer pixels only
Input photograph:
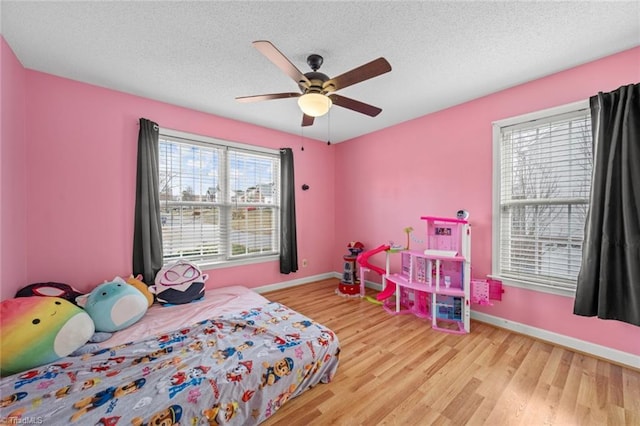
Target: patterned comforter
[{"x": 234, "y": 369}]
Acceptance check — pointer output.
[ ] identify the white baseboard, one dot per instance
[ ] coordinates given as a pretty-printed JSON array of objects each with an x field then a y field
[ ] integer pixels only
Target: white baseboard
[
  {"x": 296, "y": 282},
  {"x": 375, "y": 286},
  {"x": 599, "y": 351},
  {"x": 613, "y": 355}
]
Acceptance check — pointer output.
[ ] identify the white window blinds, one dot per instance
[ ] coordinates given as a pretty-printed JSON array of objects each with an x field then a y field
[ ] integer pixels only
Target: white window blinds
[
  {"x": 218, "y": 202},
  {"x": 545, "y": 173}
]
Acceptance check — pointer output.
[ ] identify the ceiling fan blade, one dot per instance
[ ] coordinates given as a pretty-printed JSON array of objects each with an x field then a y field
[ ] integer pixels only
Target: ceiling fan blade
[
  {"x": 354, "y": 105},
  {"x": 274, "y": 55},
  {"x": 307, "y": 120},
  {"x": 267, "y": 97},
  {"x": 364, "y": 72}
]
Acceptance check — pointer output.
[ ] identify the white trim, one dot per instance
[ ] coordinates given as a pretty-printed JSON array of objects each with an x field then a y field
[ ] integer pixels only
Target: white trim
[
  {"x": 226, "y": 149},
  {"x": 545, "y": 201},
  {"x": 293, "y": 283},
  {"x": 208, "y": 264},
  {"x": 371, "y": 284},
  {"x": 497, "y": 126},
  {"x": 209, "y": 140},
  {"x": 614, "y": 355},
  {"x": 536, "y": 115},
  {"x": 495, "y": 223},
  {"x": 534, "y": 286},
  {"x": 307, "y": 280}
]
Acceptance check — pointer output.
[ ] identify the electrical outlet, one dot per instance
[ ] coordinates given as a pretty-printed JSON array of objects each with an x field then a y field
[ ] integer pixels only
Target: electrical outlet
[{"x": 305, "y": 263}]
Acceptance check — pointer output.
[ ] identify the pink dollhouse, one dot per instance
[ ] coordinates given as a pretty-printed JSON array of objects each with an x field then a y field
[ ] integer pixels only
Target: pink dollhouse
[{"x": 435, "y": 283}]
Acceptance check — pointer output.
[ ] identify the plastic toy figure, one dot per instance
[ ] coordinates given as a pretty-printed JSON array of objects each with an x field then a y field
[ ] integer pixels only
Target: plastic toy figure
[{"x": 355, "y": 247}]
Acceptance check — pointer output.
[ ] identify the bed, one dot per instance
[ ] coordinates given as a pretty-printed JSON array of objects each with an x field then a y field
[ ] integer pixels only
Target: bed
[{"x": 232, "y": 358}]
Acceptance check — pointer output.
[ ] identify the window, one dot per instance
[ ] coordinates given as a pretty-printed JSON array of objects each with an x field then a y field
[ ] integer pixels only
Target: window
[
  {"x": 542, "y": 176},
  {"x": 219, "y": 201}
]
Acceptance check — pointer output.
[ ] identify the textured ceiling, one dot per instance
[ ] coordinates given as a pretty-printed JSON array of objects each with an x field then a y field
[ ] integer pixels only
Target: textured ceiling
[{"x": 199, "y": 54}]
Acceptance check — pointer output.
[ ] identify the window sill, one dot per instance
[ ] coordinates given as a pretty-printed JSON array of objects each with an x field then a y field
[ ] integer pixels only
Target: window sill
[
  {"x": 534, "y": 286},
  {"x": 206, "y": 265}
]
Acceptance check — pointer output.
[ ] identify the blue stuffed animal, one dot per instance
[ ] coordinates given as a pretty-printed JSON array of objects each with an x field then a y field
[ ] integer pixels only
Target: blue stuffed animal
[{"x": 114, "y": 306}]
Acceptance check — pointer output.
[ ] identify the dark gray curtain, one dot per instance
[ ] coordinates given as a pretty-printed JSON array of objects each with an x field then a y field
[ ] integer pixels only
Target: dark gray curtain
[
  {"x": 288, "y": 238},
  {"x": 609, "y": 279},
  {"x": 147, "y": 233}
]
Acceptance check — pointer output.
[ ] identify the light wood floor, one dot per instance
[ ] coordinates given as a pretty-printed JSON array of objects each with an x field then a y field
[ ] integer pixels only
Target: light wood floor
[{"x": 395, "y": 370}]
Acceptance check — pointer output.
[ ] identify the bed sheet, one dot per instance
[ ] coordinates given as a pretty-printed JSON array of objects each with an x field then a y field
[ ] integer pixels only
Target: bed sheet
[
  {"x": 236, "y": 368},
  {"x": 164, "y": 318}
]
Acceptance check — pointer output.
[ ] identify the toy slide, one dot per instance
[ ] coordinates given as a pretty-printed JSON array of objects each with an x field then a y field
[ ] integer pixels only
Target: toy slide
[
  {"x": 388, "y": 291},
  {"x": 363, "y": 260},
  {"x": 364, "y": 257}
]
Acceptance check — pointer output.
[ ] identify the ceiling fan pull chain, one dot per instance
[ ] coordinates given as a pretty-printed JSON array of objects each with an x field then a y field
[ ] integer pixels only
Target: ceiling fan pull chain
[{"x": 329, "y": 128}]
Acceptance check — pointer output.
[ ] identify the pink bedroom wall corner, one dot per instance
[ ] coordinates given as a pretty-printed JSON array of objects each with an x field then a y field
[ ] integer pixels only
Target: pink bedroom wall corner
[
  {"x": 441, "y": 162},
  {"x": 82, "y": 157},
  {"x": 13, "y": 174}
]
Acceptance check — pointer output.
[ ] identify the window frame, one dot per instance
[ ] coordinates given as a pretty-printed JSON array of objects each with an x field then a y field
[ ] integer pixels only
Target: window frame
[
  {"x": 200, "y": 140},
  {"x": 496, "y": 186}
]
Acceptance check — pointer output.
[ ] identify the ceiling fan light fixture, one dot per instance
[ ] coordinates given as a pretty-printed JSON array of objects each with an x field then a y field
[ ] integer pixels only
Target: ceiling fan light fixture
[{"x": 314, "y": 104}]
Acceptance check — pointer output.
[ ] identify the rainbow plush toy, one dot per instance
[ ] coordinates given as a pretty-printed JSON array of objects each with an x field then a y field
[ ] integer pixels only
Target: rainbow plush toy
[{"x": 39, "y": 330}]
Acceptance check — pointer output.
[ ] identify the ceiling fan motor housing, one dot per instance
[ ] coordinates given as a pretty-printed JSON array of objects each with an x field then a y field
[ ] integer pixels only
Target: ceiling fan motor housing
[{"x": 317, "y": 80}]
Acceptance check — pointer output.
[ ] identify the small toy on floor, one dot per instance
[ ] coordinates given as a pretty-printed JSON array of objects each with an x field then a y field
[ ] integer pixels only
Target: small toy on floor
[{"x": 350, "y": 284}]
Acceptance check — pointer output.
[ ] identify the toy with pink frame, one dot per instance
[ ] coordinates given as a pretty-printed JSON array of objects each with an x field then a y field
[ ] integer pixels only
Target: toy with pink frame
[{"x": 435, "y": 283}]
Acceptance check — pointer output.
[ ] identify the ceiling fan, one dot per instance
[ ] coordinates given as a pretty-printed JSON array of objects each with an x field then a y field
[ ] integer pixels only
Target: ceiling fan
[{"x": 317, "y": 89}]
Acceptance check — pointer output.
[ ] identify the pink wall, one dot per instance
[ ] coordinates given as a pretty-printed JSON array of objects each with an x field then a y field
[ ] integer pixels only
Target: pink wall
[
  {"x": 69, "y": 178},
  {"x": 13, "y": 184},
  {"x": 442, "y": 162},
  {"x": 81, "y": 181}
]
